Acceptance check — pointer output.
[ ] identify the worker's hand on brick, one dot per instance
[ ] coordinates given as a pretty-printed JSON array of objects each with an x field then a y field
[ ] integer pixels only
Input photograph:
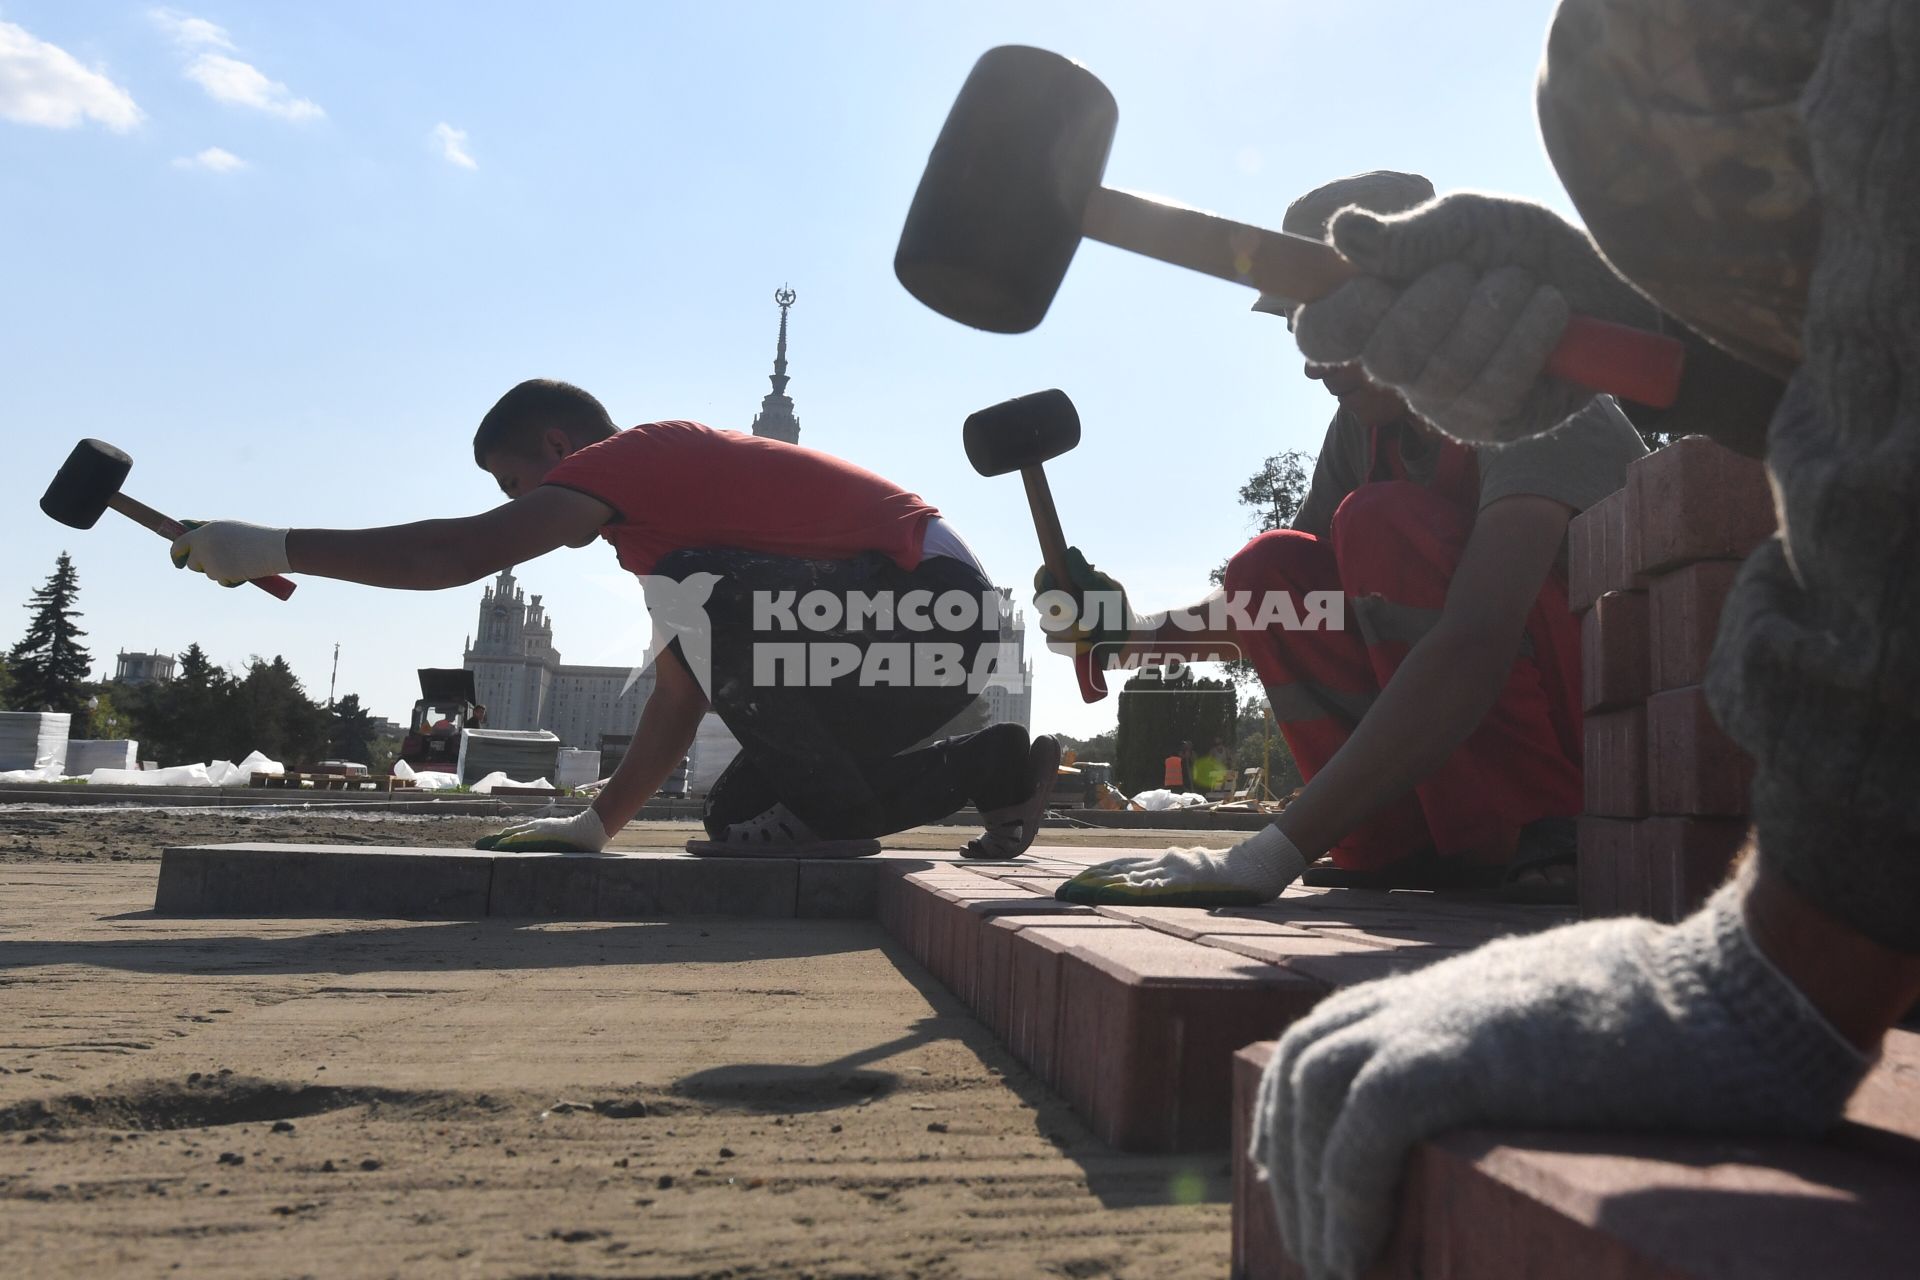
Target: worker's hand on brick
[
  {"x": 1462, "y": 301},
  {"x": 230, "y": 551},
  {"x": 1253, "y": 871},
  {"x": 581, "y": 833},
  {"x": 1101, "y": 614},
  {"x": 1616, "y": 1024}
]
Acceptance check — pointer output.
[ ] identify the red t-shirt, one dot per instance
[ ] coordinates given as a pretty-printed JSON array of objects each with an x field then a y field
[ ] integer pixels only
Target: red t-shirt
[{"x": 674, "y": 485}]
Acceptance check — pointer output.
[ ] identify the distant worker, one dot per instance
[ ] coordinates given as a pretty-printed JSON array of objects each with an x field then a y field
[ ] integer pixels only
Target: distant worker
[
  {"x": 725, "y": 531},
  {"x": 1174, "y": 773},
  {"x": 1214, "y": 770},
  {"x": 1436, "y": 716}
]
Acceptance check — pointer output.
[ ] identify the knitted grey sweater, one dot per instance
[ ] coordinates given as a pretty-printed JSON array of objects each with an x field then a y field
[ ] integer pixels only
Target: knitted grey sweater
[{"x": 1754, "y": 166}]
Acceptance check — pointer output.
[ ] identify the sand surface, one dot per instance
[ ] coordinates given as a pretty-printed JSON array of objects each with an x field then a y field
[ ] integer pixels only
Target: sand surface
[{"x": 687, "y": 1099}]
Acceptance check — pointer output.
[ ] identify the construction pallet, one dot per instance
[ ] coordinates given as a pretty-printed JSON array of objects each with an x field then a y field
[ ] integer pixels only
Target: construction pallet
[{"x": 330, "y": 781}]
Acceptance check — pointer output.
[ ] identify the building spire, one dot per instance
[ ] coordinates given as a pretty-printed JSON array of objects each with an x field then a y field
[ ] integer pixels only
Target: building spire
[{"x": 775, "y": 419}]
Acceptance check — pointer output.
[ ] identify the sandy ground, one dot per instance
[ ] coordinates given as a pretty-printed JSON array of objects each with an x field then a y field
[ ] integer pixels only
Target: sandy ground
[{"x": 674, "y": 1099}]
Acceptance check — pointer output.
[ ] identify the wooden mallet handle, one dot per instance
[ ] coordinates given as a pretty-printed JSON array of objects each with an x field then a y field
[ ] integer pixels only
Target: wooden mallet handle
[
  {"x": 1615, "y": 358},
  {"x": 167, "y": 527},
  {"x": 1053, "y": 552}
]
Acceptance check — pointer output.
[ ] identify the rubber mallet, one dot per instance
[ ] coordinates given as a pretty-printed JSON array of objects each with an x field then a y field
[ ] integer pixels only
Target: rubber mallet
[
  {"x": 1021, "y": 435},
  {"x": 89, "y": 481},
  {"x": 1013, "y": 183}
]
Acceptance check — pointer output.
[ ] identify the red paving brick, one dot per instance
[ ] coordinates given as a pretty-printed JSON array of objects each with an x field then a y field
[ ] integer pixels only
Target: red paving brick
[
  {"x": 1683, "y": 616},
  {"x": 1614, "y": 667},
  {"x": 1631, "y": 1206},
  {"x": 1615, "y": 769},
  {"x": 1133, "y": 1013},
  {"x": 1606, "y": 871},
  {"x": 1148, "y": 1027},
  {"x": 1696, "y": 500},
  {"x": 1686, "y": 859},
  {"x": 1600, "y": 552},
  {"x": 1693, "y": 768}
]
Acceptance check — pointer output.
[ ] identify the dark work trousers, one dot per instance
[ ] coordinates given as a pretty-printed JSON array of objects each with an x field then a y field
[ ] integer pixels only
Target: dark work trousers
[{"x": 835, "y": 752}]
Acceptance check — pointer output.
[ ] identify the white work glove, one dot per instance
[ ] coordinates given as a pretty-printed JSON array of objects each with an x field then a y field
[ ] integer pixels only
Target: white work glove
[
  {"x": 1462, "y": 301},
  {"x": 581, "y": 833},
  {"x": 231, "y": 551},
  {"x": 1614, "y": 1024},
  {"x": 1253, "y": 871}
]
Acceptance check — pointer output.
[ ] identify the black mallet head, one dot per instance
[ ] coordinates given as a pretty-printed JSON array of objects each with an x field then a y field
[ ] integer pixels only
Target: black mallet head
[
  {"x": 1023, "y": 432},
  {"x": 997, "y": 217},
  {"x": 86, "y": 483}
]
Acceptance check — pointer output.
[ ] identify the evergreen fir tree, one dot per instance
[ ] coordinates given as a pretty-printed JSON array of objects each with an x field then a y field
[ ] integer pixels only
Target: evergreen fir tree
[{"x": 49, "y": 667}]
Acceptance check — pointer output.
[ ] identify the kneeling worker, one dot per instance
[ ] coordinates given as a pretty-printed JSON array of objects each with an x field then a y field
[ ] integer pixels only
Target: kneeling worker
[
  {"x": 1439, "y": 727},
  {"x": 726, "y": 531}
]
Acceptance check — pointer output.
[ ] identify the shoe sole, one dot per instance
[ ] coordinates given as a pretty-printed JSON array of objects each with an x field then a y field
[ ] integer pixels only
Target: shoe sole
[{"x": 1043, "y": 766}]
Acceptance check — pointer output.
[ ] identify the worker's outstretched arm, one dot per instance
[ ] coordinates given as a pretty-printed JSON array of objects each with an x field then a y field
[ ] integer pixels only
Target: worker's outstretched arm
[
  {"x": 1443, "y": 689},
  {"x": 1448, "y": 681},
  {"x": 667, "y": 725},
  {"x": 426, "y": 555}
]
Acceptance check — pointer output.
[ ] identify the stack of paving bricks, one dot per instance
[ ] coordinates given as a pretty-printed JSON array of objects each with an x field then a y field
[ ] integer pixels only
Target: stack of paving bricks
[{"x": 1650, "y": 567}]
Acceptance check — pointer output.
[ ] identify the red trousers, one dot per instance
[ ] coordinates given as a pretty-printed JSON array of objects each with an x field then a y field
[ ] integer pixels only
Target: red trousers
[{"x": 1392, "y": 550}]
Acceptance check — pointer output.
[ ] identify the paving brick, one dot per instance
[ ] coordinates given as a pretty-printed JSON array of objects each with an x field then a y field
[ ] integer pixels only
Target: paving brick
[
  {"x": 1615, "y": 765},
  {"x": 1600, "y": 552},
  {"x": 1033, "y": 996},
  {"x": 1605, "y": 868},
  {"x": 1148, "y": 1025},
  {"x": 545, "y": 886},
  {"x": 249, "y": 878},
  {"x": 1614, "y": 666},
  {"x": 1636, "y": 1206},
  {"x": 1696, "y": 500},
  {"x": 1683, "y": 616},
  {"x": 837, "y": 890},
  {"x": 1686, "y": 859},
  {"x": 992, "y": 986},
  {"x": 955, "y": 924},
  {"x": 1693, "y": 768},
  {"x": 1257, "y": 1251},
  {"x": 628, "y": 888},
  {"x": 762, "y": 888}
]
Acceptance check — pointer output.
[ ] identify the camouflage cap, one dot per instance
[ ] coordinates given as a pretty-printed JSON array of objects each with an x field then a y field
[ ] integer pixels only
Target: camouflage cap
[
  {"x": 1379, "y": 190},
  {"x": 1676, "y": 127}
]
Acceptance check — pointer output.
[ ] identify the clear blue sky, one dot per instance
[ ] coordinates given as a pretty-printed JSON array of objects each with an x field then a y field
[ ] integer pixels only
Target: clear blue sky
[{"x": 242, "y": 244}]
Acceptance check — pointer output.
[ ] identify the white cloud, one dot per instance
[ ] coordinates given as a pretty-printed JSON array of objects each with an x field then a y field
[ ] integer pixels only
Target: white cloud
[
  {"x": 213, "y": 160},
  {"x": 43, "y": 84},
  {"x": 453, "y": 145},
  {"x": 191, "y": 32},
  {"x": 227, "y": 79},
  {"x": 242, "y": 84}
]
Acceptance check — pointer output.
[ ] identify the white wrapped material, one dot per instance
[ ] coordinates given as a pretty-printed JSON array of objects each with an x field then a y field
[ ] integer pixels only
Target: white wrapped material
[
  {"x": 84, "y": 755},
  {"x": 496, "y": 779},
  {"x": 1161, "y": 799},
  {"x": 185, "y": 775},
  {"x": 34, "y": 740},
  {"x": 521, "y": 754},
  {"x": 577, "y": 768}
]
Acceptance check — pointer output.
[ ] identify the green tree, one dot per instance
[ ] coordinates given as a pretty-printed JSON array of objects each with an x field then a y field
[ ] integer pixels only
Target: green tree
[
  {"x": 1274, "y": 495},
  {"x": 351, "y": 732},
  {"x": 185, "y": 720},
  {"x": 1157, "y": 713},
  {"x": 49, "y": 667},
  {"x": 273, "y": 715}
]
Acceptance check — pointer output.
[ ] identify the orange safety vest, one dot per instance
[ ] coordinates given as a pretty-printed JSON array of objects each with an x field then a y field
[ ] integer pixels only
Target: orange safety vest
[{"x": 1176, "y": 775}]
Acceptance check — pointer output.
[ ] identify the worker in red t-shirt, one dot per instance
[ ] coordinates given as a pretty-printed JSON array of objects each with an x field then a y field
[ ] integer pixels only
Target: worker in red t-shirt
[{"x": 833, "y": 621}]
